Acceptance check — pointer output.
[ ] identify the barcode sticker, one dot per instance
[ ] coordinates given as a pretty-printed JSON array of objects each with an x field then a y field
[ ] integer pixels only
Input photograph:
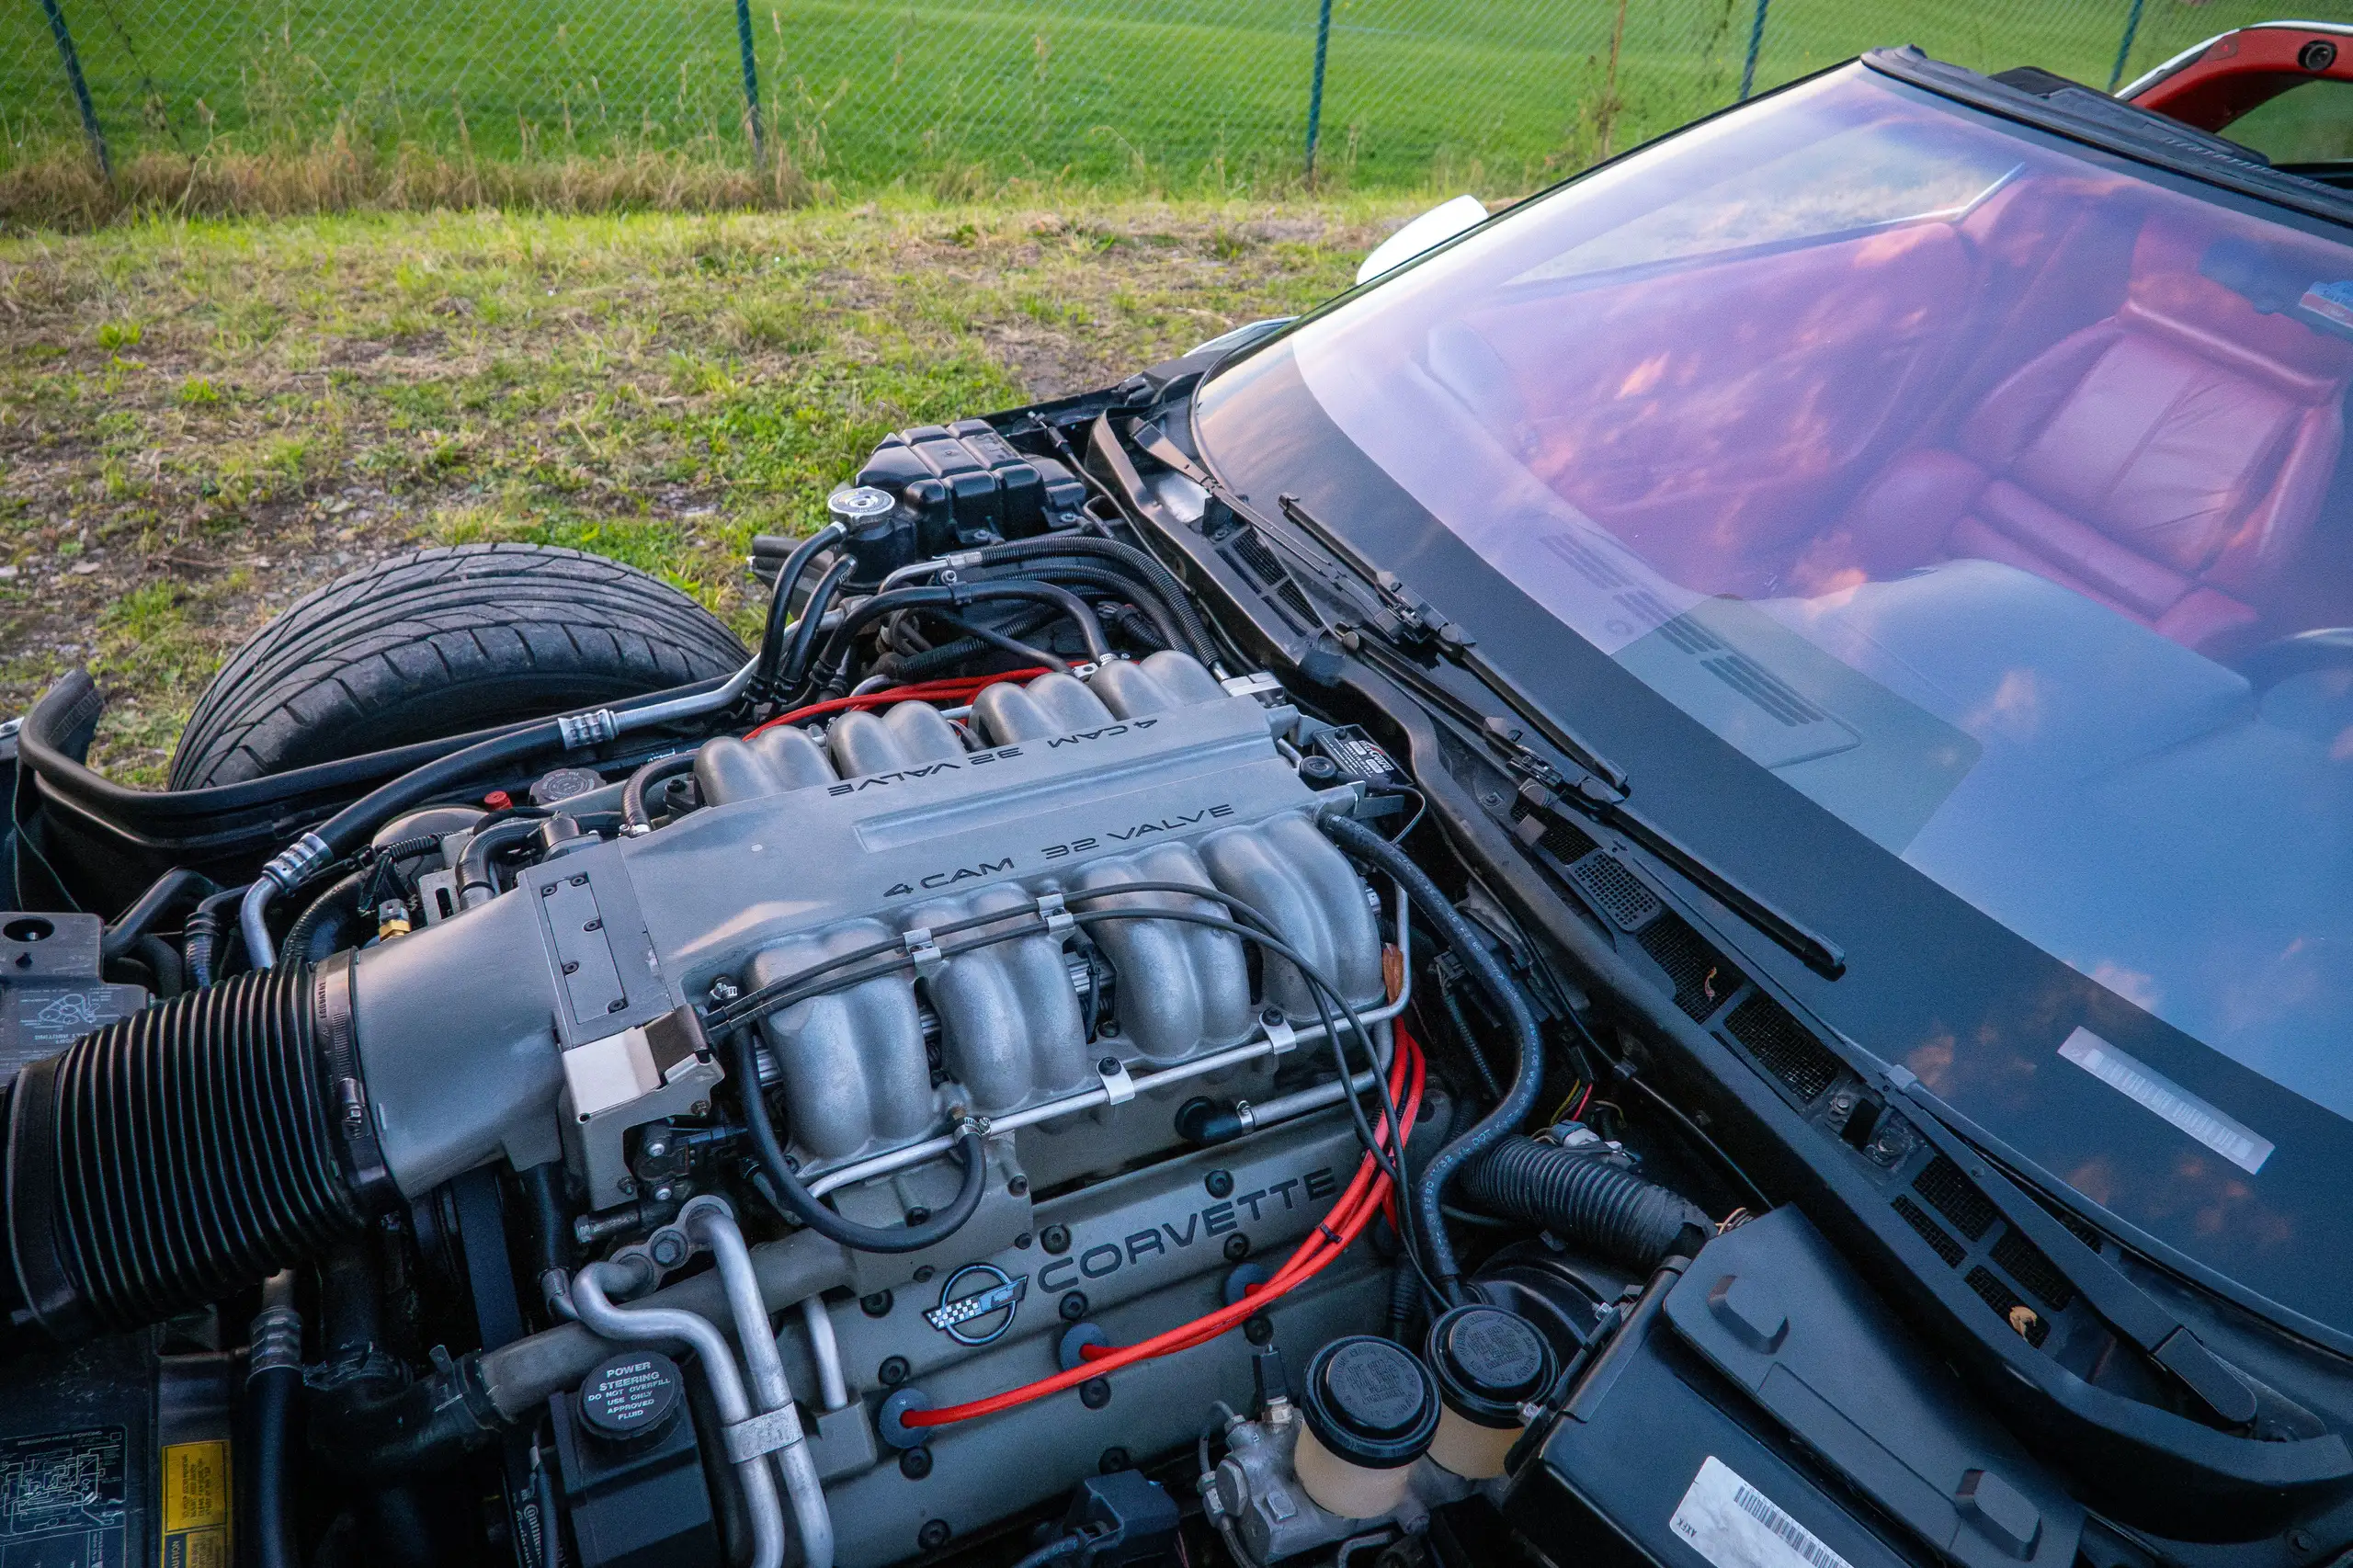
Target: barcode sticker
[{"x": 1733, "y": 1525}]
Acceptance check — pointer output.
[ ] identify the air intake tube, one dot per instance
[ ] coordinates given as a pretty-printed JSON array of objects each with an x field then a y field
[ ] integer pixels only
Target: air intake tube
[
  {"x": 1584, "y": 1197},
  {"x": 188, "y": 1151}
]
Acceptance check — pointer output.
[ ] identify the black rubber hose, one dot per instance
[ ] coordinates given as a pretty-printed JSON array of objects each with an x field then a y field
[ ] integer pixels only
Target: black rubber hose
[
  {"x": 271, "y": 1395},
  {"x": 937, "y": 661},
  {"x": 376, "y": 1429},
  {"x": 788, "y": 577},
  {"x": 163, "y": 964},
  {"x": 176, "y": 1155},
  {"x": 635, "y": 817},
  {"x": 178, "y": 886},
  {"x": 1584, "y": 1198},
  {"x": 1136, "y": 561},
  {"x": 798, "y": 658},
  {"x": 835, "y": 658},
  {"x": 473, "y": 863},
  {"x": 1471, "y": 949},
  {"x": 215, "y": 918},
  {"x": 803, "y": 1206},
  {"x": 1029, "y": 653},
  {"x": 1116, "y": 584},
  {"x": 329, "y": 905}
]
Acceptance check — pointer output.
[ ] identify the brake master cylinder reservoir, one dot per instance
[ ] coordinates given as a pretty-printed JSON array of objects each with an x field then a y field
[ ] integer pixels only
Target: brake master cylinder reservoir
[
  {"x": 1370, "y": 1410},
  {"x": 1488, "y": 1363}
]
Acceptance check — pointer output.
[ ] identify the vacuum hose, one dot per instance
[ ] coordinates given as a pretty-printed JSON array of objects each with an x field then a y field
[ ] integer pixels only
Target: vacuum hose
[
  {"x": 186, "y": 1151},
  {"x": 1584, "y": 1197}
]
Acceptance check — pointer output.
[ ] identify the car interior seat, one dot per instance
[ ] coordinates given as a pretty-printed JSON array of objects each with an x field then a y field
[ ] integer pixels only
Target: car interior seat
[{"x": 2169, "y": 461}]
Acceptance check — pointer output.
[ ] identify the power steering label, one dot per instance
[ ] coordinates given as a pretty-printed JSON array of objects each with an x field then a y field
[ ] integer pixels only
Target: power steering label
[
  {"x": 1733, "y": 1525},
  {"x": 196, "y": 1505}
]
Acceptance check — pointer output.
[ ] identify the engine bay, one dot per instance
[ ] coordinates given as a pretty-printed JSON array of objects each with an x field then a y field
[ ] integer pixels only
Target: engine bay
[{"x": 939, "y": 1096}]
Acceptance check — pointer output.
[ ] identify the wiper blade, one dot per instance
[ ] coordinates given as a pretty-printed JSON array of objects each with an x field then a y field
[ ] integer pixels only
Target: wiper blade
[{"x": 1403, "y": 626}]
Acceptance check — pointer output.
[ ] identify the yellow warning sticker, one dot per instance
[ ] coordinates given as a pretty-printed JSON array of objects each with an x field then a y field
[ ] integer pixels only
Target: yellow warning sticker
[{"x": 196, "y": 1505}]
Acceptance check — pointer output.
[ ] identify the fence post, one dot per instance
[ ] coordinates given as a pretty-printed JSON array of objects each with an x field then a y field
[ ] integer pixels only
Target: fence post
[
  {"x": 2124, "y": 49},
  {"x": 1756, "y": 43},
  {"x": 1315, "y": 87},
  {"x": 65, "y": 51},
  {"x": 750, "y": 74}
]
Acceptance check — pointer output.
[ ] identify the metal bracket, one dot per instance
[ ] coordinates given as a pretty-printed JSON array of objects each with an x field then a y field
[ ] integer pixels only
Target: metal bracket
[
  {"x": 1250, "y": 685},
  {"x": 1120, "y": 1087},
  {"x": 1059, "y": 922},
  {"x": 756, "y": 1434},
  {"x": 1279, "y": 1034},
  {"x": 578, "y": 730},
  {"x": 924, "y": 952}
]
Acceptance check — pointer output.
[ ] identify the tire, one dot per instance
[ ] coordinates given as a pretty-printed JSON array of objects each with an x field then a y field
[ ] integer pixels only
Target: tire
[{"x": 438, "y": 642}]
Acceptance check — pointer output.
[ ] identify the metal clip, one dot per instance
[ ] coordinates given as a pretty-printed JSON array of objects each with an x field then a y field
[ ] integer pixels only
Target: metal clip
[
  {"x": 1250, "y": 685},
  {"x": 1279, "y": 1034},
  {"x": 578, "y": 730},
  {"x": 756, "y": 1434},
  {"x": 1059, "y": 922},
  {"x": 924, "y": 952},
  {"x": 1115, "y": 1082}
]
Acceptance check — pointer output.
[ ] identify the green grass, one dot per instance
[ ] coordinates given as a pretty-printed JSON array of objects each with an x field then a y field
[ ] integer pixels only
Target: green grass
[
  {"x": 200, "y": 420},
  {"x": 1208, "y": 97}
]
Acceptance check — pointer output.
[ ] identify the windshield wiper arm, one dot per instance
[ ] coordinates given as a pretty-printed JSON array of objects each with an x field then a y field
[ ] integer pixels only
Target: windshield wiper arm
[{"x": 2135, "y": 1316}]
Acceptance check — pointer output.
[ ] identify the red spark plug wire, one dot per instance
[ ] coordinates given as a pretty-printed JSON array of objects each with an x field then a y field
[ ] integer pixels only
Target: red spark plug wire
[
  {"x": 956, "y": 688},
  {"x": 1346, "y": 1221}
]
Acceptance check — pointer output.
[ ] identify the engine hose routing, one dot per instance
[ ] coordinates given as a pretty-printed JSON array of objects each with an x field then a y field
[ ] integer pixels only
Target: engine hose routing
[
  {"x": 186, "y": 1151},
  {"x": 273, "y": 1391},
  {"x": 637, "y": 820},
  {"x": 774, "y": 631},
  {"x": 1158, "y": 577},
  {"x": 1582, "y": 1198},
  {"x": 1510, "y": 1001},
  {"x": 803, "y": 1206},
  {"x": 316, "y": 915},
  {"x": 178, "y": 886},
  {"x": 200, "y": 943},
  {"x": 834, "y": 660}
]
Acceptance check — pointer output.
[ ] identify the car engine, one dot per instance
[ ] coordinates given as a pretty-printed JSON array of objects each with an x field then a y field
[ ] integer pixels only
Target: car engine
[{"x": 911, "y": 1101}]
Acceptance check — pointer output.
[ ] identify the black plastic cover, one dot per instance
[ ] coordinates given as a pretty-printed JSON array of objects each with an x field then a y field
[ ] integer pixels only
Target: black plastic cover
[
  {"x": 962, "y": 485},
  {"x": 1488, "y": 1362},
  {"x": 1774, "y": 1310},
  {"x": 1370, "y": 1403},
  {"x": 1767, "y": 1411},
  {"x": 638, "y": 1499}
]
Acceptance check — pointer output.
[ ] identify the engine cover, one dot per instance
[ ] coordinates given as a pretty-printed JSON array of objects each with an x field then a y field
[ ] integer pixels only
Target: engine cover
[{"x": 895, "y": 824}]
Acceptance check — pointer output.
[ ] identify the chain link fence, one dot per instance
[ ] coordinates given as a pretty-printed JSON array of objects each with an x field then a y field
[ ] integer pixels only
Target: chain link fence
[{"x": 1489, "y": 94}]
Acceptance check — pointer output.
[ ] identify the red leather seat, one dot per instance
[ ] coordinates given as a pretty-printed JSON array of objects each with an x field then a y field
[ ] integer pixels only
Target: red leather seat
[{"x": 2169, "y": 461}]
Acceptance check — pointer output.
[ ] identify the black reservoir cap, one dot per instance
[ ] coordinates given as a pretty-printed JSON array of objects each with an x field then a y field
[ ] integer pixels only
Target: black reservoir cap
[
  {"x": 630, "y": 1395},
  {"x": 1370, "y": 1403},
  {"x": 1489, "y": 1362}
]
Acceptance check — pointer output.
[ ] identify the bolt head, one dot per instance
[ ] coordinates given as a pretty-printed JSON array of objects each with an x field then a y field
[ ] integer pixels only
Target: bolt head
[
  {"x": 1258, "y": 1328},
  {"x": 1055, "y": 1239},
  {"x": 1219, "y": 1184},
  {"x": 914, "y": 1465},
  {"x": 892, "y": 1372},
  {"x": 924, "y": 1273},
  {"x": 877, "y": 1306},
  {"x": 656, "y": 1149},
  {"x": 1094, "y": 1393},
  {"x": 1109, "y": 1066},
  {"x": 1073, "y": 1306},
  {"x": 1237, "y": 1247}
]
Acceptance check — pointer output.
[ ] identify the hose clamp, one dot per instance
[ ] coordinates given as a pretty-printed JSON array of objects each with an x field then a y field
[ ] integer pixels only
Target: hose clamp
[
  {"x": 275, "y": 1342},
  {"x": 757, "y": 1436},
  {"x": 578, "y": 730},
  {"x": 348, "y": 1111},
  {"x": 292, "y": 866}
]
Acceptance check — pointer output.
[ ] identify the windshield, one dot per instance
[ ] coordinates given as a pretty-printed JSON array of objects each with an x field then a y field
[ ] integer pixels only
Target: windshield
[{"x": 1974, "y": 485}]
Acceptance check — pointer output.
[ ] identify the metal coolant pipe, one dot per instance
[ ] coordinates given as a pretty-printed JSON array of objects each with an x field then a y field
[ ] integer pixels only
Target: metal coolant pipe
[
  {"x": 646, "y": 1325},
  {"x": 711, "y": 1223}
]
